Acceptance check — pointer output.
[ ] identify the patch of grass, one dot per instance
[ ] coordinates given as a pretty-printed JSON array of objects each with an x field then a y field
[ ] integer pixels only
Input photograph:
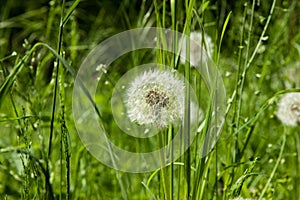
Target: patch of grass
[{"x": 256, "y": 50}]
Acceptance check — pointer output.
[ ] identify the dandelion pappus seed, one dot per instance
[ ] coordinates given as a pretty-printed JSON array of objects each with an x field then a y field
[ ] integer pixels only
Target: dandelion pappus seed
[{"x": 157, "y": 98}]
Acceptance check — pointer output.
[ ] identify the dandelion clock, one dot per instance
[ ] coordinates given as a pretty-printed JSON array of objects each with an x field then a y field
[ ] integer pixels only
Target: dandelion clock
[
  {"x": 201, "y": 48},
  {"x": 138, "y": 117},
  {"x": 152, "y": 98},
  {"x": 289, "y": 109}
]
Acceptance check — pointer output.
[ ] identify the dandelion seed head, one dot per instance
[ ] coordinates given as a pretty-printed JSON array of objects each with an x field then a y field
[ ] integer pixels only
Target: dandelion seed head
[
  {"x": 152, "y": 97},
  {"x": 200, "y": 48},
  {"x": 156, "y": 98},
  {"x": 289, "y": 109}
]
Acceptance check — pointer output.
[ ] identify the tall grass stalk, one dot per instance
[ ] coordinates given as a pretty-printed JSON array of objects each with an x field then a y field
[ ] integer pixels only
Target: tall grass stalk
[
  {"x": 186, "y": 122},
  {"x": 160, "y": 56},
  {"x": 56, "y": 77},
  {"x": 55, "y": 90},
  {"x": 247, "y": 65},
  {"x": 65, "y": 142}
]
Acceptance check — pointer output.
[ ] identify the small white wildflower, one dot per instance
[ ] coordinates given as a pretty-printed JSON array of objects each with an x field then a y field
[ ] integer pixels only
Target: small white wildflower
[
  {"x": 289, "y": 109},
  {"x": 156, "y": 98},
  {"x": 102, "y": 68},
  {"x": 200, "y": 50}
]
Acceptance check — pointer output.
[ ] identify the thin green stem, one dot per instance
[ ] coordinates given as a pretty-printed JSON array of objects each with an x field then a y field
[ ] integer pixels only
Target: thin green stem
[
  {"x": 165, "y": 180},
  {"x": 235, "y": 92},
  {"x": 275, "y": 167},
  {"x": 297, "y": 141},
  {"x": 56, "y": 76},
  {"x": 249, "y": 62},
  {"x": 243, "y": 76},
  {"x": 56, "y": 66},
  {"x": 186, "y": 123}
]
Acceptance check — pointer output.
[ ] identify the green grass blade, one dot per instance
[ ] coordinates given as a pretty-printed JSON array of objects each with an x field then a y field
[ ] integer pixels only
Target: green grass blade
[{"x": 70, "y": 11}]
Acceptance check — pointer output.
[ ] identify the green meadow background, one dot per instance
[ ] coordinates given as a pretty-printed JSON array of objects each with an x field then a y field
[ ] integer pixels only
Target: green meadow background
[{"x": 256, "y": 49}]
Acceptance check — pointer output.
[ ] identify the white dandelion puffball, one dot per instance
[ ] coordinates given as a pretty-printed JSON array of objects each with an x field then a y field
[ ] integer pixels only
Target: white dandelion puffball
[
  {"x": 289, "y": 109},
  {"x": 156, "y": 98},
  {"x": 200, "y": 50}
]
